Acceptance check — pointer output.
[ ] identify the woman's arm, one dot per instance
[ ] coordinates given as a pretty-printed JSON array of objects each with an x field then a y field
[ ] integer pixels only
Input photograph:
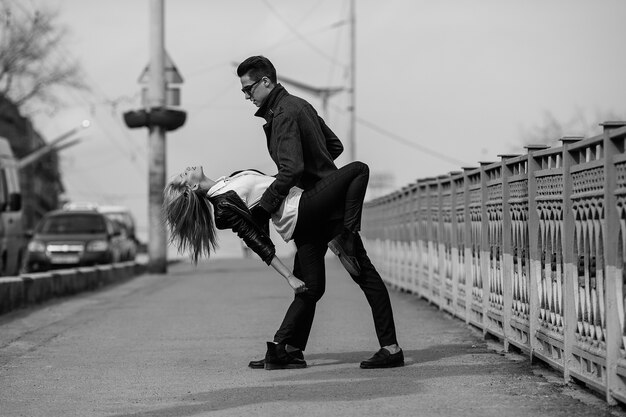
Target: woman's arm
[
  {"x": 295, "y": 283},
  {"x": 231, "y": 212}
]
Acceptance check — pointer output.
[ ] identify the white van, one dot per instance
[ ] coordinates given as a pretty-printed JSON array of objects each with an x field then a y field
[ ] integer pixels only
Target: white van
[{"x": 12, "y": 239}]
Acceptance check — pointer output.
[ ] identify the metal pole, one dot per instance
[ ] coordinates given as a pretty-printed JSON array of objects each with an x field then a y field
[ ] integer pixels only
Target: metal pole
[
  {"x": 352, "y": 136},
  {"x": 157, "y": 241}
]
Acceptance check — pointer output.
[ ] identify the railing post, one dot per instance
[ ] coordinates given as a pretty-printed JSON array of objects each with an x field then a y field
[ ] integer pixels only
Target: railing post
[
  {"x": 413, "y": 236},
  {"x": 445, "y": 242},
  {"x": 432, "y": 260},
  {"x": 399, "y": 226},
  {"x": 408, "y": 237},
  {"x": 424, "y": 244},
  {"x": 393, "y": 239},
  {"x": 614, "y": 280},
  {"x": 391, "y": 253},
  {"x": 441, "y": 247},
  {"x": 384, "y": 236},
  {"x": 484, "y": 246},
  {"x": 469, "y": 287},
  {"x": 405, "y": 244},
  {"x": 507, "y": 252},
  {"x": 380, "y": 233},
  {"x": 455, "y": 244},
  {"x": 569, "y": 286},
  {"x": 533, "y": 246},
  {"x": 421, "y": 236}
]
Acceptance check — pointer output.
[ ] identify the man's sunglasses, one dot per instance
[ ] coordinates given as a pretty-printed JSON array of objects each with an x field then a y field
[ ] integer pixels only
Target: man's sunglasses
[{"x": 248, "y": 89}]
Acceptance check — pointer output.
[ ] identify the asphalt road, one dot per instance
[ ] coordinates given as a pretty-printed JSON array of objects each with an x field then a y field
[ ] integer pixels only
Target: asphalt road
[{"x": 178, "y": 345}]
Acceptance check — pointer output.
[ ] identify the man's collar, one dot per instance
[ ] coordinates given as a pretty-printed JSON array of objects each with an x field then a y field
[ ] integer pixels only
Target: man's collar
[{"x": 267, "y": 108}]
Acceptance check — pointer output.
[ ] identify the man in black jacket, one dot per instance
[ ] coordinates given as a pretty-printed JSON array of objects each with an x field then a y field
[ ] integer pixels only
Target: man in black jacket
[{"x": 304, "y": 148}]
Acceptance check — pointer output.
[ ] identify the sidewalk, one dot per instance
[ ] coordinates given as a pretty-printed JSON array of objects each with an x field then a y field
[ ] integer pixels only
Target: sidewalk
[{"x": 179, "y": 344}]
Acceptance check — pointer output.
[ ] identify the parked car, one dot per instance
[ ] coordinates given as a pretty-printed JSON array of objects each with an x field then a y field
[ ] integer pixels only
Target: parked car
[
  {"x": 122, "y": 216},
  {"x": 69, "y": 238},
  {"x": 122, "y": 219}
]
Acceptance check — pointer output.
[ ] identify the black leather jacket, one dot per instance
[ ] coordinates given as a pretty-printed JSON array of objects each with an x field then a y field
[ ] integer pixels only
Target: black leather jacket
[
  {"x": 300, "y": 143},
  {"x": 231, "y": 212}
]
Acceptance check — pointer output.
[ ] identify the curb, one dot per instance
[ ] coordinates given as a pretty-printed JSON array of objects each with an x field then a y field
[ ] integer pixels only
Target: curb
[{"x": 34, "y": 288}]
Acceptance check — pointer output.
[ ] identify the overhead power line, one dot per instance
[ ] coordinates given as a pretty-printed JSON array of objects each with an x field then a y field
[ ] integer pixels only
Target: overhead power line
[
  {"x": 359, "y": 120},
  {"x": 299, "y": 35},
  {"x": 409, "y": 143},
  {"x": 404, "y": 140}
]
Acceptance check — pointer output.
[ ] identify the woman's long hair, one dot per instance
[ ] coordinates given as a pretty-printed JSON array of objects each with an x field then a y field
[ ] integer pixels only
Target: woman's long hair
[{"x": 189, "y": 217}]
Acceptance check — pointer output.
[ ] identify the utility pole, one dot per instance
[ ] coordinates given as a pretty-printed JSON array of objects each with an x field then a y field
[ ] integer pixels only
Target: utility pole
[
  {"x": 351, "y": 108},
  {"x": 157, "y": 242},
  {"x": 159, "y": 78},
  {"x": 324, "y": 93}
]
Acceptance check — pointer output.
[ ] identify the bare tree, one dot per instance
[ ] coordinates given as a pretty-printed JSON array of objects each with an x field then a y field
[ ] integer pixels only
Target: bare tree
[
  {"x": 31, "y": 63},
  {"x": 552, "y": 129}
]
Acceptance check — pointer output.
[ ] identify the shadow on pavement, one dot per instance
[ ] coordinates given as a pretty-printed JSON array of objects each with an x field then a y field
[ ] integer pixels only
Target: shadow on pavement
[
  {"x": 433, "y": 353},
  {"x": 319, "y": 383}
]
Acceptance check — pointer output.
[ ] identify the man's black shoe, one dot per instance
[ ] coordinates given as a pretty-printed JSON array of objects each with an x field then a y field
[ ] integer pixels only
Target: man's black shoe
[
  {"x": 343, "y": 246},
  {"x": 278, "y": 358},
  {"x": 384, "y": 359},
  {"x": 260, "y": 364}
]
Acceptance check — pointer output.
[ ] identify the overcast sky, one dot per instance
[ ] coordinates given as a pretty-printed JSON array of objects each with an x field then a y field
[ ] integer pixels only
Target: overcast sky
[{"x": 463, "y": 79}]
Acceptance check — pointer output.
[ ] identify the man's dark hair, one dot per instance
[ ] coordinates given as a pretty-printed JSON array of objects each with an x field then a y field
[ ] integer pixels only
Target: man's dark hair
[{"x": 257, "y": 67}]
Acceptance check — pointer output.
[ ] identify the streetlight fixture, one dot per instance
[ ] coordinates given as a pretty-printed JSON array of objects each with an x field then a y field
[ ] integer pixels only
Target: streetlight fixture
[{"x": 54, "y": 145}]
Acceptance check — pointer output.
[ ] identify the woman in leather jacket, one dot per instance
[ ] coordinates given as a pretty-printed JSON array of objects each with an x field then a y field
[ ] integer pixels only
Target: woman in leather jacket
[{"x": 195, "y": 205}]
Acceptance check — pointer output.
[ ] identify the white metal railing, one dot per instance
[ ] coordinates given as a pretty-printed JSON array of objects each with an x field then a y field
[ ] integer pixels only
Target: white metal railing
[{"x": 530, "y": 249}]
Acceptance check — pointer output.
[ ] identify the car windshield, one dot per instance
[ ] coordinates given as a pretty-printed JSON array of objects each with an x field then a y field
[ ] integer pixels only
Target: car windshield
[{"x": 77, "y": 223}]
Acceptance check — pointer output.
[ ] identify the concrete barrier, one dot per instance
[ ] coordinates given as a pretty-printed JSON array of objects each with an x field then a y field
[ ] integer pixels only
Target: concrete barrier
[
  {"x": 106, "y": 274},
  {"x": 33, "y": 288},
  {"x": 11, "y": 293},
  {"x": 38, "y": 287},
  {"x": 65, "y": 281},
  {"x": 87, "y": 279}
]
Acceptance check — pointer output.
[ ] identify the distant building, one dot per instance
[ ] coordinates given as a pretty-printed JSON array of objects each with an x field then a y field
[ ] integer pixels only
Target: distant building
[{"x": 40, "y": 181}]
